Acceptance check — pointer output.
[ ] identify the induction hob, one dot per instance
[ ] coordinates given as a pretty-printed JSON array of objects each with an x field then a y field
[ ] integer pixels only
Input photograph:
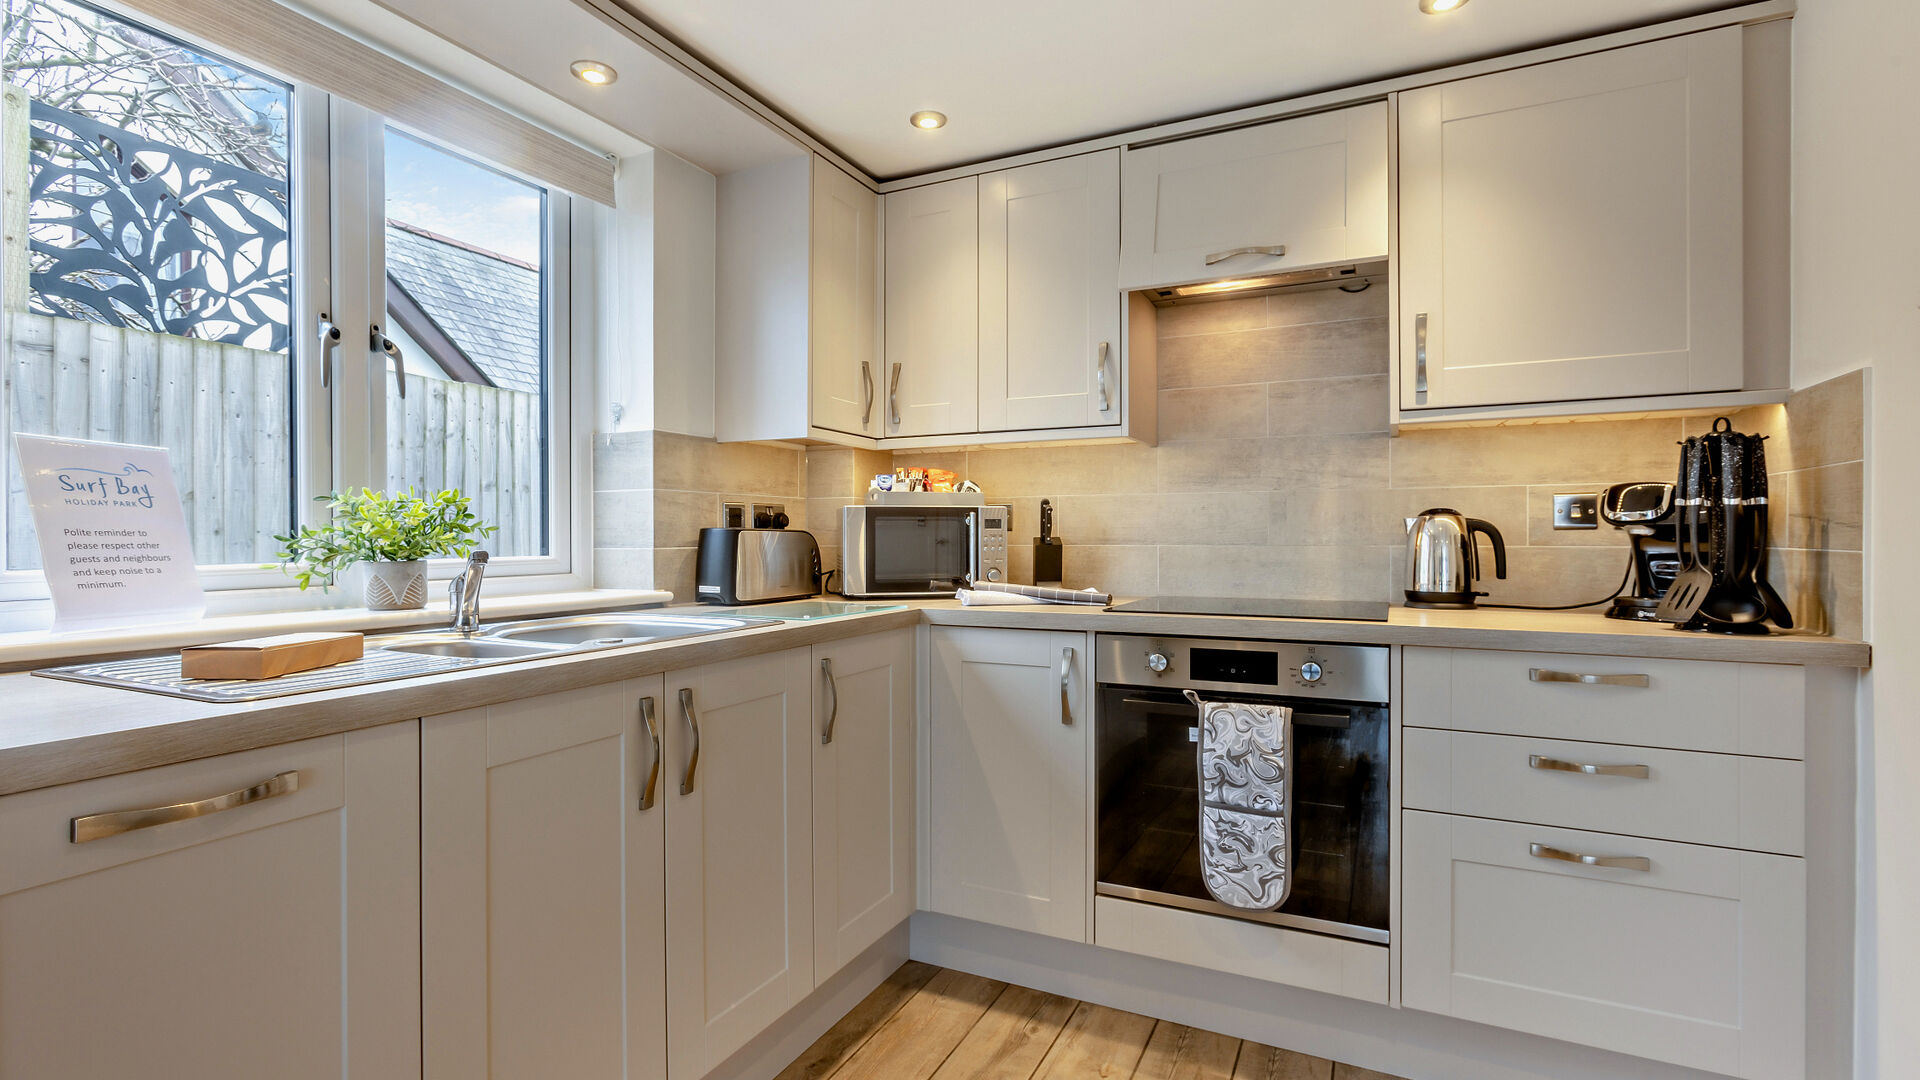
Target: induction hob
[{"x": 1260, "y": 607}]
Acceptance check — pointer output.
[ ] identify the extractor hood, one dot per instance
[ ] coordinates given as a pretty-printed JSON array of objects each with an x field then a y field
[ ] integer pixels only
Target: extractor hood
[{"x": 1262, "y": 284}]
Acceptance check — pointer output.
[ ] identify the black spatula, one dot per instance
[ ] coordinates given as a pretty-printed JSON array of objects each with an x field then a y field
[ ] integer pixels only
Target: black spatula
[{"x": 1682, "y": 601}]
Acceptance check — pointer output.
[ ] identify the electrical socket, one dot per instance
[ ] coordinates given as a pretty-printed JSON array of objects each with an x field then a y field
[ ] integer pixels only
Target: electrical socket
[
  {"x": 733, "y": 515},
  {"x": 1580, "y": 511}
]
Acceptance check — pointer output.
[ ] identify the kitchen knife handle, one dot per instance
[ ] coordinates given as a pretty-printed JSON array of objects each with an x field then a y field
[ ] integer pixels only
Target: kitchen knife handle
[
  {"x": 1066, "y": 674},
  {"x": 650, "y": 789},
  {"x": 693, "y": 730},
  {"x": 1635, "y": 772},
  {"x": 1613, "y": 862},
  {"x": 1420, "y": 353}
]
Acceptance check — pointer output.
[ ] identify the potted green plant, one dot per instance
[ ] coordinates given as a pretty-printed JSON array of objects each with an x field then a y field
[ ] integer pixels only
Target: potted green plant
[{"x": 390, "y": 537}]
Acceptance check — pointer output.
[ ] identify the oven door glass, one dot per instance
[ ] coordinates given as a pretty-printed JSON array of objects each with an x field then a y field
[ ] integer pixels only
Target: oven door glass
[
  {"x": 1149, "y": 809},
  {"x": 919, "y": 549}
]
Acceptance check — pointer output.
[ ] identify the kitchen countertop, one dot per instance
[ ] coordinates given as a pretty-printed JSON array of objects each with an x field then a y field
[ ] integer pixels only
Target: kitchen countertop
[{"x": 57, "y": 732}]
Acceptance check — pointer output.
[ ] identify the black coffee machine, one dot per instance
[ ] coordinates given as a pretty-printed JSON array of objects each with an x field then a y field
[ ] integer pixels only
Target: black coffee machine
[{"x": 1646, "y": 513}]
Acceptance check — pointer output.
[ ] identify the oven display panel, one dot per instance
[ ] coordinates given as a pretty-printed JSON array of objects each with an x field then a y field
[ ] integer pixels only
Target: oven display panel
[{"x": 1235, "y": 666}]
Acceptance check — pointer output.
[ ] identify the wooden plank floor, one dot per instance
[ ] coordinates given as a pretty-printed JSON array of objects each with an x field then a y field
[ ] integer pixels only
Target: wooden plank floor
[{"x": 929, "y": 1023}]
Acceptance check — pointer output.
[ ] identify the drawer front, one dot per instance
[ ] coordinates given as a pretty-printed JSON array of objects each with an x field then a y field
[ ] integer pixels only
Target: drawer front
[
  {"x": 1720, "y": 799},
  {"x": 1699, "y": 959},
  {"x": 36, "y": 827},
  {"x": 1725, "y": 708}
]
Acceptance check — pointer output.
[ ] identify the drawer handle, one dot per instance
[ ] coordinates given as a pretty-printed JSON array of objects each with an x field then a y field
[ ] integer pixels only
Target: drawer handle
[
  {"x": 1616, "y": 862},
  {"x": 693, "y": 734},
  {"x": 1066, "y": 672},
  {"x": 1420, "y": 353},
  {"x": 1638, "y": 772},
  {"x": 833, "y": 696},
  {"x": 650, "y": 788},
  {"x": 1547, "y": 675},
  {"x": 97, "y": 826},
  {"x": 1261, "y": 249}
]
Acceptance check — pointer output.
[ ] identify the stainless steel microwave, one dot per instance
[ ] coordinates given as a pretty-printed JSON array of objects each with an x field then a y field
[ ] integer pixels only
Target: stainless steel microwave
[{"x": 918, "y": 550}]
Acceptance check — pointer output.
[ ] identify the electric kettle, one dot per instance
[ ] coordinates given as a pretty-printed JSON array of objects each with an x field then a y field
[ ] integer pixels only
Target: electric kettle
[{"x": 1442, "y": 560}]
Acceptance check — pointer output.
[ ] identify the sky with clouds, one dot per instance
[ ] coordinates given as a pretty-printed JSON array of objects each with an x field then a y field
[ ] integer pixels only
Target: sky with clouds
[{"x": 455, "y": 197}]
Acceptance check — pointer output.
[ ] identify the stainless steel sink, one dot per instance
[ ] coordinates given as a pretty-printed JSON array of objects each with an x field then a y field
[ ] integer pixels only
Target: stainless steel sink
[
  {"x": 606, "y": 631},
  {"x": 466, "y": 648}
]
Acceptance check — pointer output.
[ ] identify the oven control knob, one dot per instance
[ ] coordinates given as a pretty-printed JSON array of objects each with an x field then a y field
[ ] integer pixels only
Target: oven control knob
[
  {"x": 993, "y": 573},
  {"x": 1310, "y": 672},
  {"x": 1157, "y": 661}
]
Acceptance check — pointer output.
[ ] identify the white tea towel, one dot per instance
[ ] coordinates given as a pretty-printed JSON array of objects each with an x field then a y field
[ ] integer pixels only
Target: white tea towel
[
  {"x": 1036, "y": 594},
  {"x": 975, "y": 598},
  {"x": 1245, "y": 759}
]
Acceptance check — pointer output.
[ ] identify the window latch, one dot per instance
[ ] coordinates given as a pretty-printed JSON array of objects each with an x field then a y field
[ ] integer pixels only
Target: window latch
[
  {"x": 329, "y": 337},
  {"x": 384, "y": 344}
]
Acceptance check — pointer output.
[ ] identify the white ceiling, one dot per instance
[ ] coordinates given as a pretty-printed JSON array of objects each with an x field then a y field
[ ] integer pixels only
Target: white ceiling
[{"x": 1016, "y": 75}]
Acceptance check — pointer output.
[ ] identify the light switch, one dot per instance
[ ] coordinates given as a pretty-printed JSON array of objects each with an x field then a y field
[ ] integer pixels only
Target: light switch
[{"x": 1580, "y": 511}]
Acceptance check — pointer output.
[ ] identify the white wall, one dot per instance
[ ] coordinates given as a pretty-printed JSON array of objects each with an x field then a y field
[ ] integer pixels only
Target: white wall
[
  {"x": 1856, "y": 303},
  {"x": 655, "y": 321}
]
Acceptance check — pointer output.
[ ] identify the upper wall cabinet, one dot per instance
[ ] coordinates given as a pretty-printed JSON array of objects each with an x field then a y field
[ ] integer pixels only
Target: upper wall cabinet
[
  {"x": 798, "y": 307},
  {"x": 1288, "y": 195},
  {"x": 1576, "y": 231},
  {"x": 1049, "y": 305},
  {"x": 932, "y": 309}
]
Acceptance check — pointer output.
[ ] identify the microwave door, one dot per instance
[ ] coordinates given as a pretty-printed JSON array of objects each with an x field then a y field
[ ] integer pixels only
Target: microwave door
[{"x": 918, "y": 551}]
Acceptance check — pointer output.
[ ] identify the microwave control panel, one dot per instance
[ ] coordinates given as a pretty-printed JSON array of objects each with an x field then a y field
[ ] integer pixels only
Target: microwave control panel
[{"x": 992, "y": 536}]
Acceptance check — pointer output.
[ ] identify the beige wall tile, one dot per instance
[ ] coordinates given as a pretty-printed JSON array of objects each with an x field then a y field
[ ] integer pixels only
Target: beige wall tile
[
  {"x": 1539, "y": 523},
  {"x": 1328, "y": 573},
  {"x": 1223, "y": 465},
  {"x": 1215, "y": 412},
  {"x": 829, "y": 470},
  {"x": 673, "y": 571},
  {"x": 1553, "y": 575},
  {"x": 678, "y": 516},
  {"x": 1822, "y": 589},
  {"x": 1334, "y": 406},
  {"x": 623, "y": 460},
  {"x": 622, "y": 568},
  {"x": 1132, "y": 569},
  {"x": 1826, "y": 423},
  {"x": 1328, "y": 461},
  {"x": 1212, "y": 317},
  {"x": 1825, "y": 506},
  {"x": 686, "y": 463},
  {"x": 1065, "y": 470},
  {"x": 1537, "y": 453},
  {"x": 1154, "y": 518},
  {"x": 1315, "y": 350},
  {"x": 1300, "y": 306},
  {"x": 622, "y": 519}
]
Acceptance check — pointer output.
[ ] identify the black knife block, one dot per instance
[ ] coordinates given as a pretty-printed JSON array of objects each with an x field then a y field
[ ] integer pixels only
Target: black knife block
[{"x": 1048, "y": 558}]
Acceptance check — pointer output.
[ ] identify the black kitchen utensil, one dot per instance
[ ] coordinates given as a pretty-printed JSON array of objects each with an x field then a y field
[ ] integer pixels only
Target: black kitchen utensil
[
  {"x": 1684, "y": 596},
  {"x": 1733, "y": 600},
  {"x": 1777, "y": 611},
  {"x": 1049, "y": 554}
]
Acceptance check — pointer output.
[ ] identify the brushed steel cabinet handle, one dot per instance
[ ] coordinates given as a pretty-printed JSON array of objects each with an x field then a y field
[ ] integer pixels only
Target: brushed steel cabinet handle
[
  {"x": 1614, "y": 862},
  {"x": 893, "y": 396},
  {"x": 98, "y": 826},
  {"x": 384, "y": 344},
  {"x": 650, "y": 789},
  {"x": 833, "y": 699},
  {"x": 1549, "y": 675},
  {"x": 1420, "y": 353},
  {"x": 866, "y": 378},
  {"x": 693, "y": 730},
  {"x": 1262, "y": 249},
  {"x": 1066, "y": 672},
  {"x": 329, "y": 337},
  {"x": 1100, "y": 376},
  {"x": 1637, "y": 772}
]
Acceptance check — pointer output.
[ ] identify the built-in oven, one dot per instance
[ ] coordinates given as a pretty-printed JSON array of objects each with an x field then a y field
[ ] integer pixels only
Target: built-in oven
[{"x": 1146, "y": 767}]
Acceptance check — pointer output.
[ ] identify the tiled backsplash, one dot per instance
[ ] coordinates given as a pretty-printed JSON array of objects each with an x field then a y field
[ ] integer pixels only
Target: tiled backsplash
[{"x": 1275, "y": 476}]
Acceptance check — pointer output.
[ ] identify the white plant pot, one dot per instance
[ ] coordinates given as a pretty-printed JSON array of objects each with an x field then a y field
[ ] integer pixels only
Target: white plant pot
[{"x": 394, "y": 586}]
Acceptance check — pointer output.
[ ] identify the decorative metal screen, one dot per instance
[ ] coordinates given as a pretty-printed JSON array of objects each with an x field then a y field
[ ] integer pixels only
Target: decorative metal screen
[{"x": 131, "y": 232}]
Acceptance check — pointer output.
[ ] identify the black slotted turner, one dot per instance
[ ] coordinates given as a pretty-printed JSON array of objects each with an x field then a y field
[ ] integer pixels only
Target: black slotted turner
[{"x": 1689, "y": 589}]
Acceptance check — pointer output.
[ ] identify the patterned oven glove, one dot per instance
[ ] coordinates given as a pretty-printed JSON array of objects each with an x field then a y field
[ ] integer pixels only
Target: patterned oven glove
[{"x": 1245, "y": 758}]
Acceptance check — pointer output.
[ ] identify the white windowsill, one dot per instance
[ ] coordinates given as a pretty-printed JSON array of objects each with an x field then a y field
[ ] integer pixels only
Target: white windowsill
[{"x": 35, "y": 648}]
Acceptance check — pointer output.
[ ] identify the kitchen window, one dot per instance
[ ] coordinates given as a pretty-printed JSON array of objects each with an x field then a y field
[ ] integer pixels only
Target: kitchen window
[{"x": 290, "y": 291}]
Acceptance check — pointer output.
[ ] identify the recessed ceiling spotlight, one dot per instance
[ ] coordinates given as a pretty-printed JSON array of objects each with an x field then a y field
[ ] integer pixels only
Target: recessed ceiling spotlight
[
  {"x": 927, "y": 120},
  {"x": 595, "y": 73},
  {"x": 1441, "y": 7}
]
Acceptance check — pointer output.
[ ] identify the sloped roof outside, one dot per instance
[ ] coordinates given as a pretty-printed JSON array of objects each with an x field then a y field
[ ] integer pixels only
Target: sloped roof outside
[{"x": 486, "y": 303}]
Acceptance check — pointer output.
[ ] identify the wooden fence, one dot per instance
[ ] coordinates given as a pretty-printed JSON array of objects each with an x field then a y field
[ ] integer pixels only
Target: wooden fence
[{"x": 226, "y": 414}]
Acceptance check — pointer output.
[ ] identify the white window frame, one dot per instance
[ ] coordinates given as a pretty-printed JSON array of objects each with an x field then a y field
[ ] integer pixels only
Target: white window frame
[{"x": 337, "y": 209}]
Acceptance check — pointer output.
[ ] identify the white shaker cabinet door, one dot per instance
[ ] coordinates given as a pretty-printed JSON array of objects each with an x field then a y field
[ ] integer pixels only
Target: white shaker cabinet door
[
  {"x": 843, "y": 302},
  {"x": 1286, "y": 195},
  {"x": 1008, "y": 775},
  {"x": 1572, "y": 230},
  {"x": 1049, "y": 294},
  {"x": 738, "y": 791},
  {"x": 863, "y": 871},
  {"x": 932, "y": 361},
  {"x": 275, "y": 935},
  {"x": 543, "y": 934},
  {"x": 1677, "y": 952}
]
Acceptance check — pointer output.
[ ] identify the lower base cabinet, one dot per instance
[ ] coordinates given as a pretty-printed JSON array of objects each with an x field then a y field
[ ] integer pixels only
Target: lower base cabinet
[
  {"x": 543, "y": 933},
  {"x": 739, "y": 864},
  {"x": 1696, "y": 957},
  {"x": 277, "y": 935}
]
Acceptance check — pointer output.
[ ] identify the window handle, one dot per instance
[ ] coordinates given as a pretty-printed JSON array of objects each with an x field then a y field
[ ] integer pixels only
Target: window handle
[
  {"x": 329, "y": 337},
  {"x": 384, "y": 344}
]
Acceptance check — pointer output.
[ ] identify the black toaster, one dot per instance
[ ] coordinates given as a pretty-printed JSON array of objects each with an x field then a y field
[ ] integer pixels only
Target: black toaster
[{"x": 752, "y": 566}]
